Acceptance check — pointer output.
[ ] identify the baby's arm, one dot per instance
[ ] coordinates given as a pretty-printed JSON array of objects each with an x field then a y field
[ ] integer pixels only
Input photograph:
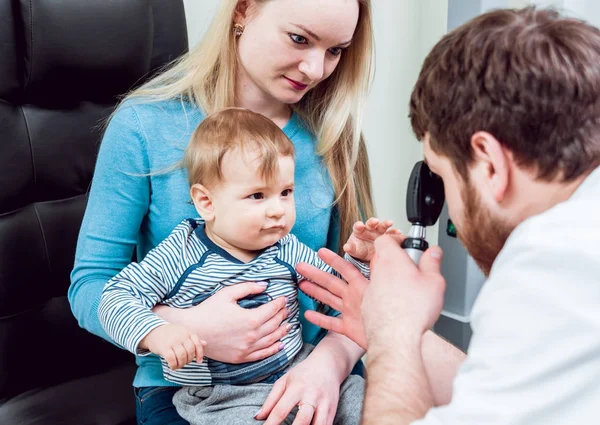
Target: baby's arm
[{"x": 127, "y": 299}]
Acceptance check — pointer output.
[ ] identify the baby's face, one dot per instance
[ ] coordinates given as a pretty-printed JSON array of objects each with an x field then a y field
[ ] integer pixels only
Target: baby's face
[{"x": 250, "y": 213}]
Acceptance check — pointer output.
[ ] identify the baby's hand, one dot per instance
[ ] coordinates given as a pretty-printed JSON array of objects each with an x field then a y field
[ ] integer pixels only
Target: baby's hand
[
  {"x": 176, "y": 344},
  {"x": 360, "y": 243}
]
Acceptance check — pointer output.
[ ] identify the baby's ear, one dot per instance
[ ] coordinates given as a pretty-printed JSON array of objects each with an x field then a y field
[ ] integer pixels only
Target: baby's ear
[{"x": 202, "y": 200}]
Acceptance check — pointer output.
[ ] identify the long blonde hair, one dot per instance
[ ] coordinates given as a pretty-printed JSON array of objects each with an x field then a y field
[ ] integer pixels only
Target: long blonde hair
[{"x": 333, "y": 110}]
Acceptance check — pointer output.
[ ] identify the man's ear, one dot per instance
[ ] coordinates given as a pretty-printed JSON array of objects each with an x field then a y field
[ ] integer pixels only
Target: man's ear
[
  {"x": 202, "y": 200},
  {"x": 492, "y": 163}
]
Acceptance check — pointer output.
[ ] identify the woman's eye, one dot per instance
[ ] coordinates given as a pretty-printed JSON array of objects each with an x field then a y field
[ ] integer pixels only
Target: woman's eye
[
  {"x": 286, "y": 192},
  {"x": 336, "y": 51},
  {"x": 256, "y": 196},
  {"x": 298, "y": 39}
]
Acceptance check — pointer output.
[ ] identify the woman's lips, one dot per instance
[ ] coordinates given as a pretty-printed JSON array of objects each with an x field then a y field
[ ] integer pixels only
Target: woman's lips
[{"x": 295, "y": 84}]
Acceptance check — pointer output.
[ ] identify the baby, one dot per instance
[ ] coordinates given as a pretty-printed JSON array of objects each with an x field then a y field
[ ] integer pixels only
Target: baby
[{"x": 241, "y": 172}]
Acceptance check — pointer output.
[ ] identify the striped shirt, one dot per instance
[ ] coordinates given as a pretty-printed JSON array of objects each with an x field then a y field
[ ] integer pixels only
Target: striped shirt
[{"x": 187, "y": 268}]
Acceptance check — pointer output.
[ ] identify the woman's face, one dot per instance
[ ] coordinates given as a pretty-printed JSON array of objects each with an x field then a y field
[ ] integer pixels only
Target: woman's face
[{"x": 290, "y": 46}]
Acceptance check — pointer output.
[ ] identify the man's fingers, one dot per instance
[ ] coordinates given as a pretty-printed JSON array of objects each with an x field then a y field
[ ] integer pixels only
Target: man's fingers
[
  {"x": 397, "y": 236},
  {"x": 334, "y": 324},
  {"x": 431, "y": 261},
  {"x": 325, "y": 280},
  {"x": 347, "y": 270},
  {"x": 388, "y": 251},
  {"x": 323, "y": 295}
]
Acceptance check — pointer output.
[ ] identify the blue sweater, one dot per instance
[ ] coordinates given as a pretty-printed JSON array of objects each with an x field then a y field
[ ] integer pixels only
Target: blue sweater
[{"x": 130, "y": 210}]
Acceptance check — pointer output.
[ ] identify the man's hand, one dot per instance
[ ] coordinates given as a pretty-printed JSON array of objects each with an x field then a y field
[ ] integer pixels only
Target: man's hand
[
  {"x": 360, "y": 243},
  {"x": 175, "y": 343},
  {"x": 402, "y": 301},
  {"x": 339, "y": 295},
  {"x": 402, "y": 297}
]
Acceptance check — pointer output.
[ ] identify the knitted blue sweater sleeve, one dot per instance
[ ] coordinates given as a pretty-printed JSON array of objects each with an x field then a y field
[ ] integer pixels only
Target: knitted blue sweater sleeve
[{"x": 118, "y": 201}]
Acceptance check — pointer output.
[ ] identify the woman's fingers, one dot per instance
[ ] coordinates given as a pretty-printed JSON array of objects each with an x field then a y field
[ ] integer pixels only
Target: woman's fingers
[
  {"x": 242, "y": 290},
  {"x": 323, "y": 415},
  {"x": 283, "y": 407},
  {"x": 272, "y": 338},
  {"x": 272, "y": 325},
  {"x": 267, "y": 311},
  {"x": 272, "y": 399},
  {"x": 264, "y": 353},
  {"x": 305, "y": 414}
]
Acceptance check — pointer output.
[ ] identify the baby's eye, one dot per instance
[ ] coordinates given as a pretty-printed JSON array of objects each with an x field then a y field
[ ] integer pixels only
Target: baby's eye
[
  {"x": 298, "y": 38},
  {"x": 257, "y": 196},
  {"x": 286, "y": 192}
]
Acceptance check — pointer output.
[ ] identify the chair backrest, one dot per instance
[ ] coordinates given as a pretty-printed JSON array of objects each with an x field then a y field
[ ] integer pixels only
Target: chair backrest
[{"x": 63, "y": 64}]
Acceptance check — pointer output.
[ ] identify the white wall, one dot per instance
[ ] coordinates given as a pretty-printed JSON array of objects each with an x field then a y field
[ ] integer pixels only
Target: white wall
[
  {"x": 588, "y": 10},
  {"x": 198, "y": 16},
  {"x": 405, "y": 30}
]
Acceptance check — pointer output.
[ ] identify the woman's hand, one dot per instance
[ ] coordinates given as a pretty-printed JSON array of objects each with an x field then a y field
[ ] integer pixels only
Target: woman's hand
[
  {"x": 313, "y": 385},
  {"x": 233, "y": 334}
]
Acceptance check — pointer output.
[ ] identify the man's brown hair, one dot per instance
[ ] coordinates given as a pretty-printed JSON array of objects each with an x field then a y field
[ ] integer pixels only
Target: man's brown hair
[{"x": 529, "y": 77}]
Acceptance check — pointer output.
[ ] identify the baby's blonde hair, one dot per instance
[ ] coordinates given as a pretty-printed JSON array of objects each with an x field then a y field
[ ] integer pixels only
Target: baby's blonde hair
[{"x": 229, "y": 130}]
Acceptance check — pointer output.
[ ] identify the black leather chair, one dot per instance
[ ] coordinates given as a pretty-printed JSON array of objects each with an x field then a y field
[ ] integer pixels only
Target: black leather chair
[{"x": 62, "y": 65}]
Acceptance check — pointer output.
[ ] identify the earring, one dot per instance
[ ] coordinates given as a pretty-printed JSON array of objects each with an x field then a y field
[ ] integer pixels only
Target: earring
[{"x": 238, "y": 30}]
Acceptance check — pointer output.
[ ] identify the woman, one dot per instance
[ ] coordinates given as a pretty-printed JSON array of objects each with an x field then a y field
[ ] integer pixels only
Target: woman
[{"x": 306, "y": 65}]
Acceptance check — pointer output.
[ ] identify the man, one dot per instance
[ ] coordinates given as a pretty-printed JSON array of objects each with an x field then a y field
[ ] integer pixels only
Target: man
[{"x": 508, "y": 107}]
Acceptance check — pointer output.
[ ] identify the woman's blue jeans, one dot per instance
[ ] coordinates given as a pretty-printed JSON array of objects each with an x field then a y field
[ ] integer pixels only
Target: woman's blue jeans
[{"x": 154, "y": 406}]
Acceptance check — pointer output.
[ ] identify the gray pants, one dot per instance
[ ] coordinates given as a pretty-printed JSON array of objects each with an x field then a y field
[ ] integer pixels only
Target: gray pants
[{"x": 237, "y": 405}]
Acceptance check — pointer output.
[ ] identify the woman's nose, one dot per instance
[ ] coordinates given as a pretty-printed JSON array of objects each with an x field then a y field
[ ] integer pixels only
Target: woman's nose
[{"x": 313, "y": 66}]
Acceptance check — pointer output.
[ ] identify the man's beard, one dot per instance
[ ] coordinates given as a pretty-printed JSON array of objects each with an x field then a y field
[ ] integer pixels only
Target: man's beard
[{"x": 482, "y": 234}]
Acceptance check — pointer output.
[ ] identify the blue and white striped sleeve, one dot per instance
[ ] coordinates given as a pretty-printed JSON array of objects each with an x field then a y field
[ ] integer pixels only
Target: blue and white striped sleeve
[
  {"x": 363, "y": 267},
  {"x": 125, "y": 309}
]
